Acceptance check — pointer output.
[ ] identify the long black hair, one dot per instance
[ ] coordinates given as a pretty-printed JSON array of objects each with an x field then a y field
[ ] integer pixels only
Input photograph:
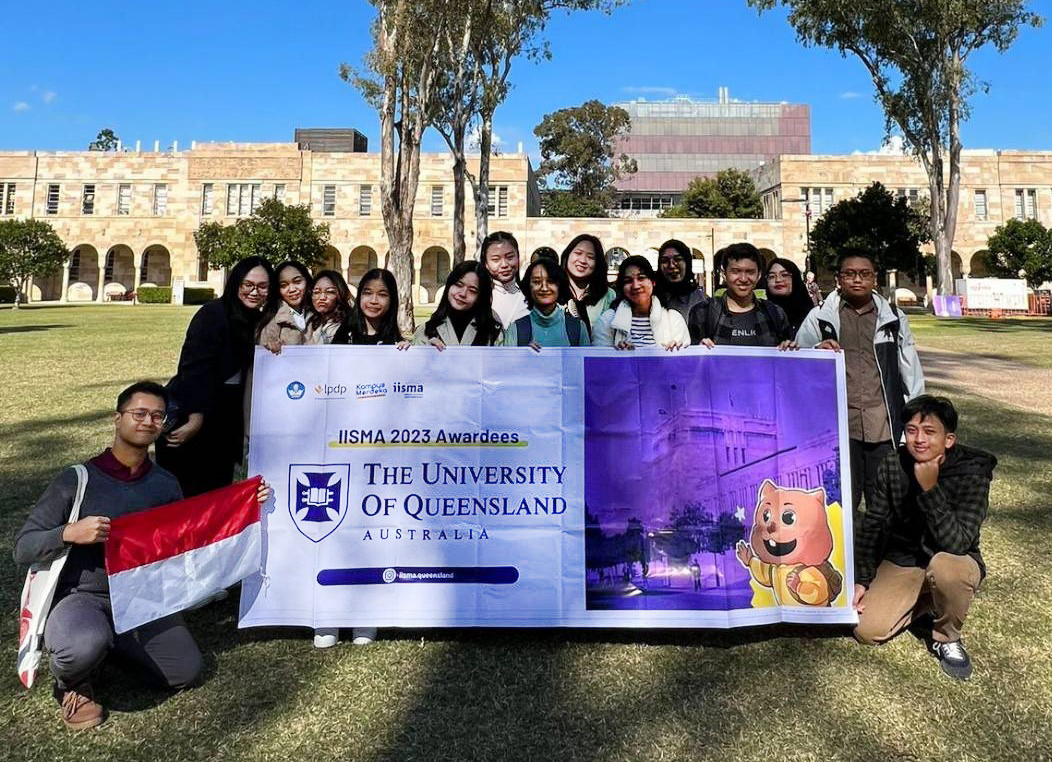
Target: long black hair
[
  {"x": 644, "y": 266},
  {"x": 555, "y": 273},
  {"x": 487, "y": 329},
  {"x": 798, "y": 303},
  {"x": 388, "y": 330},
  {"x": 343, "y": 302},
  {"x": 273, "y": 305},
  {"x": 243, "y": 321},
  {"x": 689, "y": 282},
  {"x": 597, "y": 283}
]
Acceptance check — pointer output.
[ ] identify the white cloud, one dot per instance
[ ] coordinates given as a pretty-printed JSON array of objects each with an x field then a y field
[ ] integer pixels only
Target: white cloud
[
  {"x": 20, "y": 106},
  {"x": 894, "y": 145},
  {"x": 668, "y": 92},
  {"x": 850, "y": 95},
  {"x": 48, "y": 96},
  {"x": 476, "y": 135}
]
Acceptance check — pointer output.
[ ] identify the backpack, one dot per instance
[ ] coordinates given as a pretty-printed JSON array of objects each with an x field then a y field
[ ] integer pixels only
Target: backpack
[{"x": 524, "y": 330}]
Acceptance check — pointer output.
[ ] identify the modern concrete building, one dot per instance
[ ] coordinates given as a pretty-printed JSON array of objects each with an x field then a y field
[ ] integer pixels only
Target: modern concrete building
[
  {"x": 129, "y": 217},
  {"x": 677, "y": 140}
]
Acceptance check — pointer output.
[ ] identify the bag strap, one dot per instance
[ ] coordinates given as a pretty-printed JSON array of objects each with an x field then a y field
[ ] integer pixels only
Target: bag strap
[
  {"x": 82, "y": 484},
  {"x": 573, "y": 329},
  {"x": 523, "y": 331}
]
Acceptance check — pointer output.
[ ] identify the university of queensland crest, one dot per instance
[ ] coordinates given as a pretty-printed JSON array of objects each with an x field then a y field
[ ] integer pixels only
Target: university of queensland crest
[{"x": 318, "y": 498}]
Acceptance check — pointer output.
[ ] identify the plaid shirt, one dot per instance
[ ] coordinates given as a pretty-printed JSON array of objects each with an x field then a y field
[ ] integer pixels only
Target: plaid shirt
[{"x": 907, "y": 526}]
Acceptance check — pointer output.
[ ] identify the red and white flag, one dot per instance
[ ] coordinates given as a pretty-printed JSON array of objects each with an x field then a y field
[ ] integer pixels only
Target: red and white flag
[{"x": 168, "y": 558}]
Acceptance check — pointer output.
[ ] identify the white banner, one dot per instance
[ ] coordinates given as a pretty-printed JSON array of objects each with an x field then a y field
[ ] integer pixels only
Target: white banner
[{"x": 507, "y": 487}]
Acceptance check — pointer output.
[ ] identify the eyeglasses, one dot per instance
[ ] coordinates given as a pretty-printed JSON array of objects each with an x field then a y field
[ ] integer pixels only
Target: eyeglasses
[
  {"x": 141, "y": 414},
  {"x": 856, "y": 274},
  {"x": 678, "y": 260},
  {"x": 248, "y": 287},
  {"x": 324, "y": 292},
  {"x": 779, "y": 276}
]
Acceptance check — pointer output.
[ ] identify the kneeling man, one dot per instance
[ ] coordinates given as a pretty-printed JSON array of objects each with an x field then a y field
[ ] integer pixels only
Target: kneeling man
[
  {"x": 79, "y": 631},
  {"x": 917, "y": 547}
]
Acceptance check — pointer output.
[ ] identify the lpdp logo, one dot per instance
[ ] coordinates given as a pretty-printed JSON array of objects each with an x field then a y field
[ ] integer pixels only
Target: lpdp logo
[{"x": 318, "y": 498}]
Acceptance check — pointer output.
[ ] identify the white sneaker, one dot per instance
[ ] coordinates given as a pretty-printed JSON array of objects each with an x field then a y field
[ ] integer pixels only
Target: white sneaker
[
  {"x": 326, "y": 637},
  {"x": 363, "y": 636}
]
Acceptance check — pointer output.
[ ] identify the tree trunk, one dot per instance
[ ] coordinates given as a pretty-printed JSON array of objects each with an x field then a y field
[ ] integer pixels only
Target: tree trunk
[
  {"x": 481, "y": 186},
  {"x": 459, "y": 205}
]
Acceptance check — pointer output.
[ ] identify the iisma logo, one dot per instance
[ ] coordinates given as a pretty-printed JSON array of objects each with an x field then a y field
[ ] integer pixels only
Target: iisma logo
[
  {"x": 295, "y": 390},
  {"x": 318, "y": 498}
]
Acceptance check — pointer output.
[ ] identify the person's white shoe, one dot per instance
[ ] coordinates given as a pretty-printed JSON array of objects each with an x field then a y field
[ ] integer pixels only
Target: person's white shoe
[
  {"x": 326, "y": 637},
  {"x": 363, "y": 636}
]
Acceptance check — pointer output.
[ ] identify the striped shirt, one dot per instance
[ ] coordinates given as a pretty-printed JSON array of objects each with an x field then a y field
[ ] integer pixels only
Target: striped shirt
[{"x": 642, "y": 334}]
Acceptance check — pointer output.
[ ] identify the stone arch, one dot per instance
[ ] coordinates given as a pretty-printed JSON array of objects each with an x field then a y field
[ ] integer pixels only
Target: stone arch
[
  {"x": 84, "y": 273},
  {"x": 156, "y": 266},
  {"x": 330, "y": 261},
  {"x": 699, "y": 262},
  {"x": 363, "y": 259},
  {"x": 768, "y": 255},
  {"x": 545, "y": 252},
  {"x": 977, "y": 266},
  {"x": 434, "y": 267},
  {"x": 650, "y": 254},
  {"x": 615, "y": 255},
  {"x": 119, "y": 276}
]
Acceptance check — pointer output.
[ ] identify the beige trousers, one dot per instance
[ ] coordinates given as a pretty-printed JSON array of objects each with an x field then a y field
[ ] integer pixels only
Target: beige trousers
[{"x": 899, "y": 594}]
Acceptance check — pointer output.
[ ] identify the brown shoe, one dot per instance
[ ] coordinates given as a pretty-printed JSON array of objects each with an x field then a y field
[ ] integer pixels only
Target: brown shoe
[{"x": 79, "y": 710}]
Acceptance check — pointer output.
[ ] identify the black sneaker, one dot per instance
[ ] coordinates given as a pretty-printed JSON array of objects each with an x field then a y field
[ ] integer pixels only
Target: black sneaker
[{"x": 953, "y": 659}]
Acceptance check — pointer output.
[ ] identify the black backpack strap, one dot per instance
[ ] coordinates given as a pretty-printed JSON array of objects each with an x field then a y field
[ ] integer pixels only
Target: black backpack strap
[
  {"x": 523, "y": 331},
  {"x": 573, "y": 329}
]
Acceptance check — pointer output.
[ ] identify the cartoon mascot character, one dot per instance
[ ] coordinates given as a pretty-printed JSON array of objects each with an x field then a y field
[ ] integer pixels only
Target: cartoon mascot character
[{"x": 789, "y": 547}]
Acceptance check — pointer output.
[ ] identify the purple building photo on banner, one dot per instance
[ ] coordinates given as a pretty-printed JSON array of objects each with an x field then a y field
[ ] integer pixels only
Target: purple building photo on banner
[{"x": 712, "y": 482}]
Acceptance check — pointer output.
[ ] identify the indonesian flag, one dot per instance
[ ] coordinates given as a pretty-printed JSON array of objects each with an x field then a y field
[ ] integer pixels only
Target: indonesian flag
[{"x": 168, "y": 558}]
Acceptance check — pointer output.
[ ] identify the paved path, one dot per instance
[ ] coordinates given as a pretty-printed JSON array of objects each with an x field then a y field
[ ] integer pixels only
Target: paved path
[{"x": 1007, "y": 381}]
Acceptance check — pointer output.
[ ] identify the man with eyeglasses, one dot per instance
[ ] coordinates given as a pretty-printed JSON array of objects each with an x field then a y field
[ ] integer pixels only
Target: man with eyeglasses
[
  {"x": 880, "y": 357},
  {"x": 79, "y": 630}
]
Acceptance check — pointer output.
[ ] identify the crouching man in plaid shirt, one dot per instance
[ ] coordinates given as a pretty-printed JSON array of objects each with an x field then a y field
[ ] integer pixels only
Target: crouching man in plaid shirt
[{"x": 917, "y": 546}]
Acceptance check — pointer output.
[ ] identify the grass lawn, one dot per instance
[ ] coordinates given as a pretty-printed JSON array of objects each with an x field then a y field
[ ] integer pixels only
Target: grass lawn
[
  {"x": 758, "y": 694},
  {"x": 1023, "y": 339}
]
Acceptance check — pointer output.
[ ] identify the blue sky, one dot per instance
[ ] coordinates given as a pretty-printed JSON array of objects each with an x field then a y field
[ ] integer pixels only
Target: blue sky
[{"x": 255, "y": 71}]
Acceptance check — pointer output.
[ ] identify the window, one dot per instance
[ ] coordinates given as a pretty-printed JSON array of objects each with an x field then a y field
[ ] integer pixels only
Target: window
[
  {"x": 980, "y": 205},
  {"x": 160, "y": 199},
  {"x": 817, "y": 200},
  {"x": 123, "y": 200},
  {"x": 52, "y": 199},
  {"x": 365, "y": 201},
  {"x": 87, "y": 199},
  {"x": 207, "y": 198},
  {"x": 110, "y": 261},
  {"x": 242, "y": 199},
  {"x": 7, "y": 198},
  {"x": 498, "y": 201},
  {"x": 279, "y": 192},
  {"x": 436, "y": 200},
  {"x": 1025, "y": 203},
  {"x": 328, "y": 201},
  {"x": 74, "y": 266}
]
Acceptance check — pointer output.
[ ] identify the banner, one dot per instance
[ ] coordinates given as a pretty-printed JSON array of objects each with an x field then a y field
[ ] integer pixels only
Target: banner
[{"x": 567, "y": 487}]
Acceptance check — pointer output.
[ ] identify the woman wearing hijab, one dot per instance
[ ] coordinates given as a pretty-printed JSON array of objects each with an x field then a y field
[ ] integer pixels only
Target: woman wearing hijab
[
  {"x": 676, "y": 283},
  {"x": 786, "y": 288}
]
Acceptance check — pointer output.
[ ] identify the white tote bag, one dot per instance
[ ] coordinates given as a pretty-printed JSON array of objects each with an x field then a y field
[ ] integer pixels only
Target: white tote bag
[{"x": 37, "y": 595}]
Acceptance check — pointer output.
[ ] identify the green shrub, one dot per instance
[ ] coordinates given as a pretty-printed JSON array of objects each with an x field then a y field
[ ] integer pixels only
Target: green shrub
[
  {"x": 155, "y": 294},
  {"x": 7, "y": 294},
  {"x": 198, "y": 295}
]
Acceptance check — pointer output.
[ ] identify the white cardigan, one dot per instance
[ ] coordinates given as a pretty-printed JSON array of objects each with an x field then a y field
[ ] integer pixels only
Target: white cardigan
[{"x": 615, "y": 326}]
